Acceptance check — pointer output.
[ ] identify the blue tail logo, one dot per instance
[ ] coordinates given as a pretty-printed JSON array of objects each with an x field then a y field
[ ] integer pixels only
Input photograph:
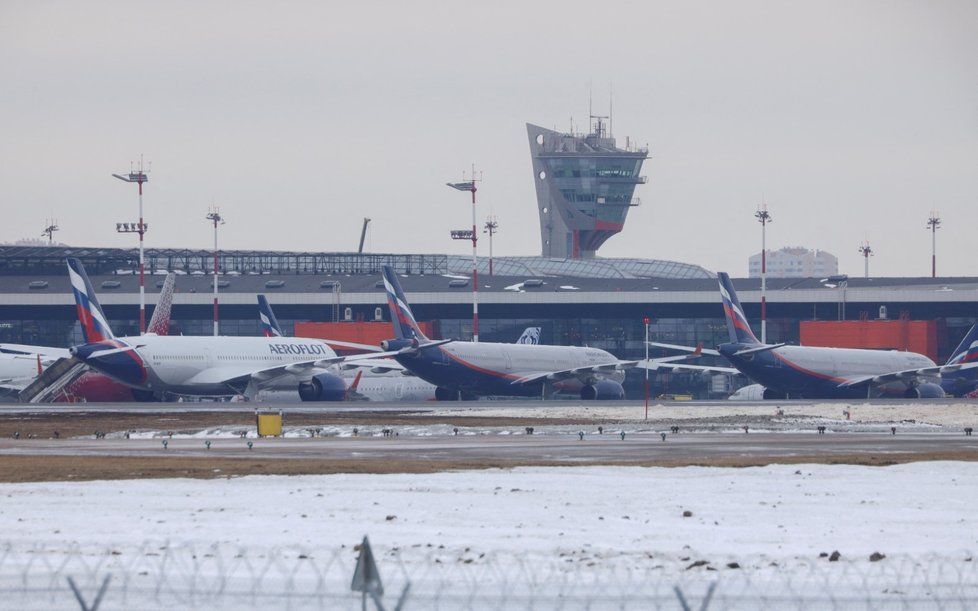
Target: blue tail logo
[
  {"x": 405, "y": 325},
  {"x": 737, "y": 325},
  {"x": 967, "y": 350},
  {"x": 94, "y": 325},
  {"x": 269, "y": 324}
]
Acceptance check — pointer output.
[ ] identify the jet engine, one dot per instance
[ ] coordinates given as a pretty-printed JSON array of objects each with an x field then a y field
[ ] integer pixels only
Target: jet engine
[
  {"x": 323, "y": 387},
  {"x": 603, "y": 390},
  {"x": 925, "y": 391},
  {"x": 773, "y": 395},
  {"x": 389, "y": 345}
]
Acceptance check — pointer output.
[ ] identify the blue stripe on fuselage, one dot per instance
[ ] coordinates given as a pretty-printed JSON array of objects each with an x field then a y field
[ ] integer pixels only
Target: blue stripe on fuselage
[
  {"x": 774, "y": 371},
  {"x": 442, "y": 368}
]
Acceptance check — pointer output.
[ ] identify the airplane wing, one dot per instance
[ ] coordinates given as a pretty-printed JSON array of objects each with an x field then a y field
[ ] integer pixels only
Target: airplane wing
[
  {"x": 261, "y": 377},
  {"x": 659, "y": 364},
  {"x": 907, "y": 375},
  {"x": 341, "y": 344},
  {"x": 379, "y": 366},
  {"x": 584, "y": 373},
  {"x": 697, "y": 350},
  {"x": 763, "y": 348},
  {"x": 591, "y": 371},
  {"x": 588, "y": 372}
]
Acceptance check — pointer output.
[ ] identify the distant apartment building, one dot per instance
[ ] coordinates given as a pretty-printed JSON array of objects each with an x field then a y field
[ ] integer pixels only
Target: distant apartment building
[{"x": 795, "y": 262}]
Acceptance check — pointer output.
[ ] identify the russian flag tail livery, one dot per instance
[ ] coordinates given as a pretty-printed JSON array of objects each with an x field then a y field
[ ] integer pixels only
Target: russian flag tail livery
[
  {"x": 740, "y": 332},
  {"x": 269, "y": 324},
  {"x": 405, "y": 326},
  {"x": 159, "y": 324},
  {"x": 94, "y": 325},
  {"x": 967, "y": 350}
]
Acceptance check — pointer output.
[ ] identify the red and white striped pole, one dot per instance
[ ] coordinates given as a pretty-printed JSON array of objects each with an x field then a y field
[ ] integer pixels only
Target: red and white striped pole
[{"x": 764, "y": 218}]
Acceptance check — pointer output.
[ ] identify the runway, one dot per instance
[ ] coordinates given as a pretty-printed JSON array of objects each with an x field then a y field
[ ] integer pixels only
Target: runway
[
  {"x": 208, "y": 440},
  {"x": 562, "y": 448}
]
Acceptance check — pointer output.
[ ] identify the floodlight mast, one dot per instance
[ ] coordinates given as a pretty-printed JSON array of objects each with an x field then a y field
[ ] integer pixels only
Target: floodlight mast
[
  {"x": 933, "y": 223},
  {"x": 214, "y": 214},
  {"x": 866, "y": 252},
  {"x": 764, "y": 218},
  {"x": 491, "y": 227},
  {"x": 138, "y": 177},
  {"x": 469, "y": 185},
  {"x": 52, "y": 226}
]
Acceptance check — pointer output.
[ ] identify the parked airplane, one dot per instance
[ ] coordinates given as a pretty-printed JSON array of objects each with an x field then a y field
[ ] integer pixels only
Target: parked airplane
[
  {"x": 390, "y": 381},
  {"x": 90, "y": 385},
  {"x": 958, "y": 382},
  {"x": 206, "y": 365},
  {"x": 469, "y": 369},
  {"x": 815, "y": 372},
  {"x": 963, "y": 381}
]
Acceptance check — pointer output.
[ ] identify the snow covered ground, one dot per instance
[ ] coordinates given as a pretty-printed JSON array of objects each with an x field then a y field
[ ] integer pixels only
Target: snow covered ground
[{"x": 684, "y": 526}]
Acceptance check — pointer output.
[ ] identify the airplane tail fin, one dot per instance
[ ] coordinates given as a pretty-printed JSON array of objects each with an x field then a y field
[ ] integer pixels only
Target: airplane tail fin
[
  {"x": 160, "y": 322},
  {"x": 737, "y": 325},
  {"x": 95, "y": 327},
  {"x": 405, "y": 325},
  {"x": 531, "y": 335},
  {"x": 967, "y": 350},
  {"x": 269, "y": 324}
]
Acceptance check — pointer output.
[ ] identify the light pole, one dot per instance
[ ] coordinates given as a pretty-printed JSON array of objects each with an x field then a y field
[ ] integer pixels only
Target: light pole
[
  {"x": 469, "y": 185},
  {"x": 215, "y": 215},
  {"x": 866, "y": 252},
  {"x": 933, "y": 223},
  {"x": 138, "y": 177},
  {"x": 50, "y": 229},
  {"x": 647, "y": 321},
  {"x": 764, "y": 218},
  {"x": 491, "y": 227}
]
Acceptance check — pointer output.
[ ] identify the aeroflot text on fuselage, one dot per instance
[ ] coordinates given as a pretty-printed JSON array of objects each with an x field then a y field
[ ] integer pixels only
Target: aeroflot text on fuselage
[{"x": 310, "y": 349}]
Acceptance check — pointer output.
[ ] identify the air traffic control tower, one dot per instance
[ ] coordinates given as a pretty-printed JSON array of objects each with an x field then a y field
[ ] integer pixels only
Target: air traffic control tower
[{"x": 585, "y": 186}]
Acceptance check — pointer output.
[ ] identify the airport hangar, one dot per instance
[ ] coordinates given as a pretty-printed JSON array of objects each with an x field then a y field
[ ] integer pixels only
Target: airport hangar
[{"x": 597, "y": 302}]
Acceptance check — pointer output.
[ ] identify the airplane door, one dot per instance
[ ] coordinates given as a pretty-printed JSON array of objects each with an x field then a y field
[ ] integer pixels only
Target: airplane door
[
  {"x": 399, "y": 390},
  {"x": 208, "y": 356}
]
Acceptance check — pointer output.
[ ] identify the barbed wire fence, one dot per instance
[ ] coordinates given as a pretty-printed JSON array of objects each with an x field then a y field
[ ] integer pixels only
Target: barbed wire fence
[{"x": 225, "y": 576}]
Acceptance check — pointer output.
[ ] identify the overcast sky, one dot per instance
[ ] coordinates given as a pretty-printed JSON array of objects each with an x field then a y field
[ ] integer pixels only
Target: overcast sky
[{"x": 852, "y": 120}]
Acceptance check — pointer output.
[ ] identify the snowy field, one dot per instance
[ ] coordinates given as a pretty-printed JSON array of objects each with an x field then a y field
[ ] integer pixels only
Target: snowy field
[{"x": 596, "y": 537}]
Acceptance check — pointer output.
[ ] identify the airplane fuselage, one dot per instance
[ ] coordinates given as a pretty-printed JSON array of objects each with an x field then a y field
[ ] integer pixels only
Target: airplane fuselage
[
  {"x": 815, "y": 372},
  {"x": 488, "y": 368},
  {"x": 199, "y": 365}
]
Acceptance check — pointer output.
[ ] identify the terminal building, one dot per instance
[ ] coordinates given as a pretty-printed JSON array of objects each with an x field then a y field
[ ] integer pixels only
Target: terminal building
[{"x": 600, "y": 303}]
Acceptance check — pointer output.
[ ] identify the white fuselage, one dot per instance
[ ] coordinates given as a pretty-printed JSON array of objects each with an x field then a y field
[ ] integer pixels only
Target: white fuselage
[
  {"x": 203, "y": 365},
  {"x": 822, "y": 372},
  {"x": 853, "y": 362},
  {"x": 371, "y": 387},
  {"x": 490, "y": 368}
]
